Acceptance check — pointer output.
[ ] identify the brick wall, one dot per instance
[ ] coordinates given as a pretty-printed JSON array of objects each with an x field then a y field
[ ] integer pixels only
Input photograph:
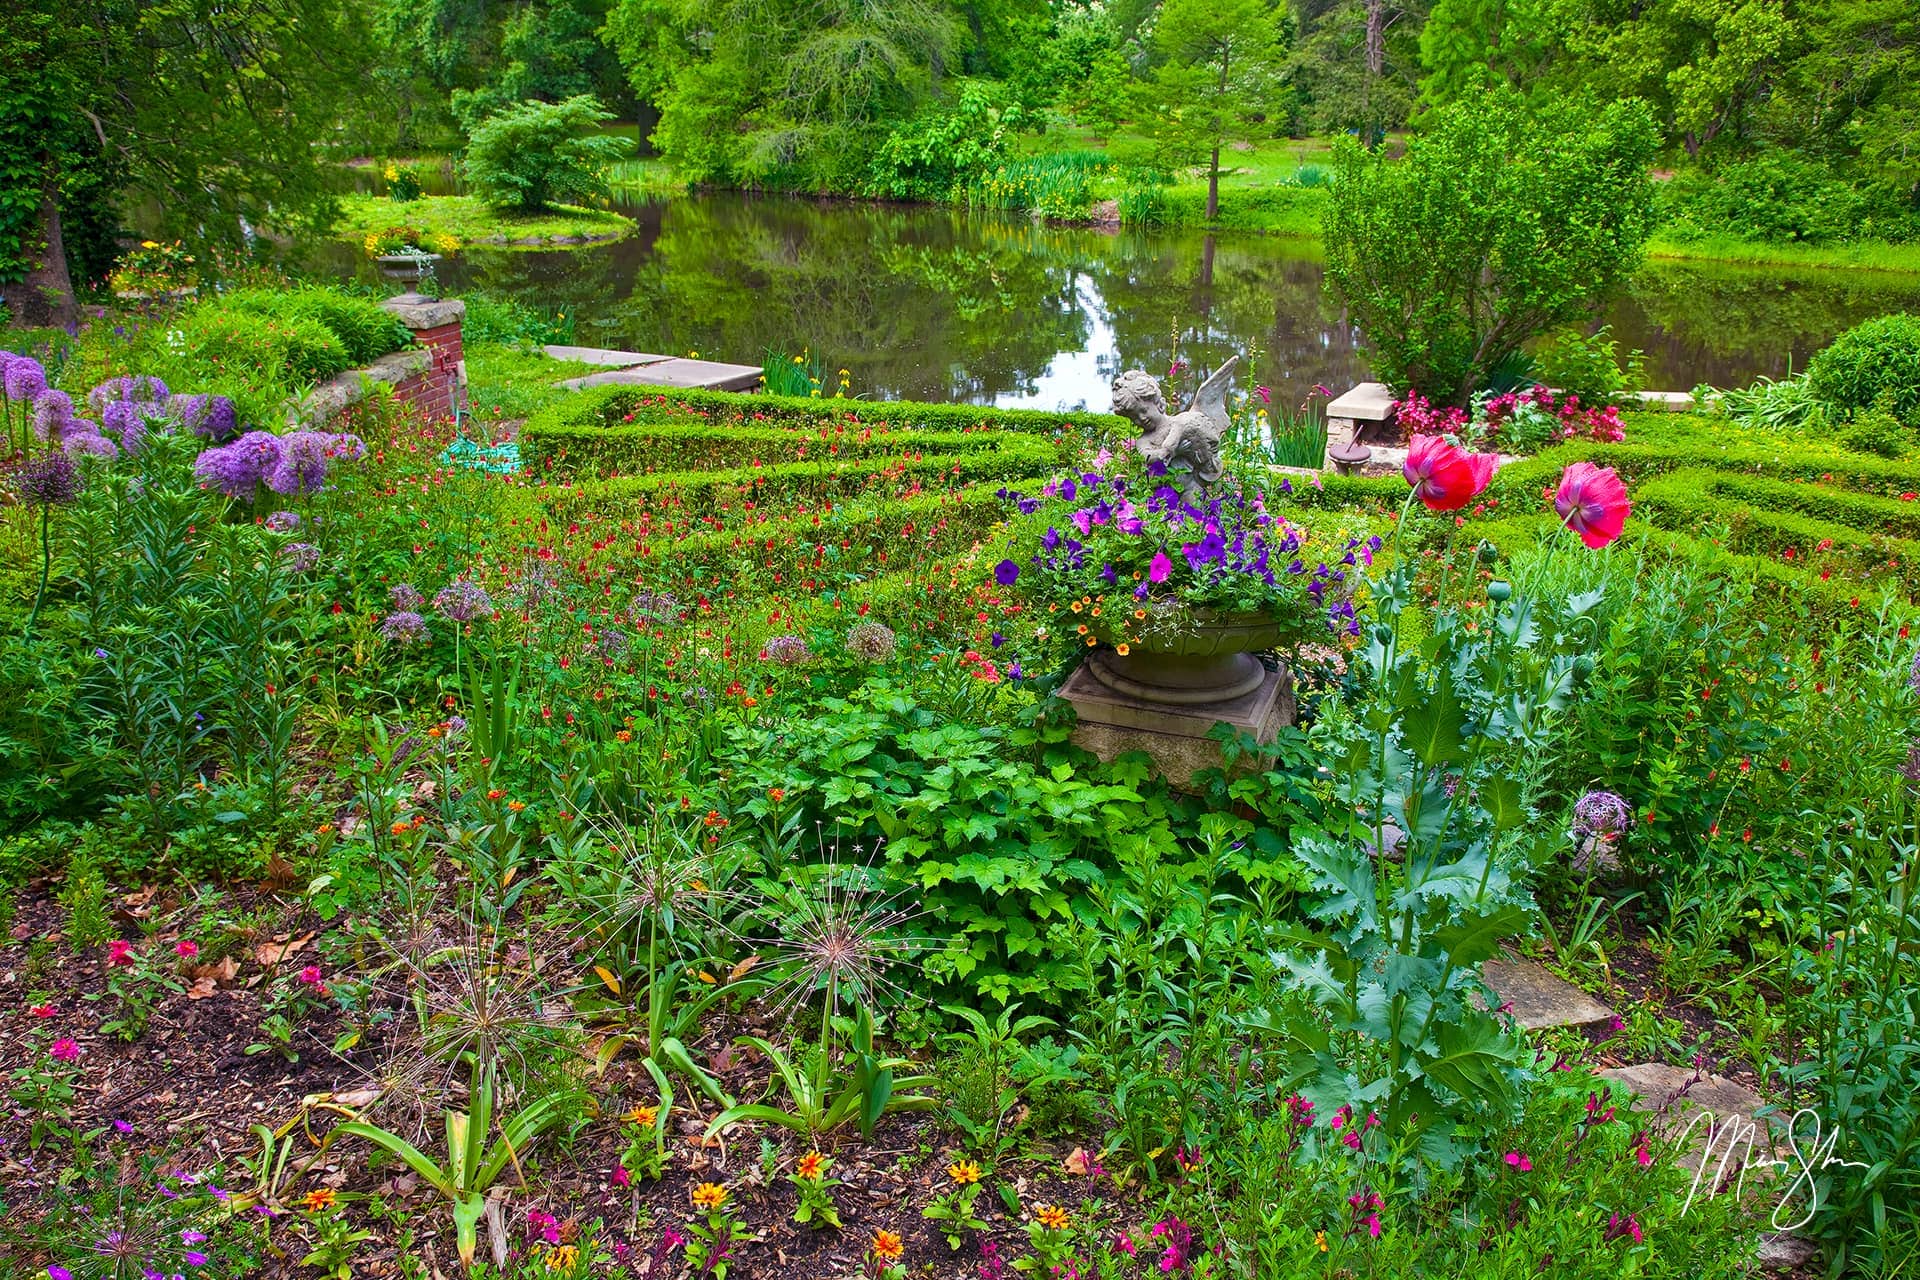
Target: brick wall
[{"x": 436, "y": 327}]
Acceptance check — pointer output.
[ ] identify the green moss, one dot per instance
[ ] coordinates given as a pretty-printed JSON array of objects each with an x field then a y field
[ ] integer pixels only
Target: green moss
[{"x": 470, "y": 221}]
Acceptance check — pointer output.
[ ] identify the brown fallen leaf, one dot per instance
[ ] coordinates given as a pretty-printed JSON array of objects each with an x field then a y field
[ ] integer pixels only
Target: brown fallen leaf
[
  {"x": 1078, "y": 1162},
  {"x": 223, "y": 972},
  {"x": 272, "y": 953},
  {"x": 202, "y": 988}
]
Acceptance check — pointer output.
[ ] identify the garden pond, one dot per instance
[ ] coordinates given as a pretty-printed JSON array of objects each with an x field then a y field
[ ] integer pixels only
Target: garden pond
[{"x": 935, "y": 303}]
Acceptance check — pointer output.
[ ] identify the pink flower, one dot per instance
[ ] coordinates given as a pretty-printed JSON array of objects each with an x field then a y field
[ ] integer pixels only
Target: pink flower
[
  {"x": 1642, "y": 1155},
  {"x": 186, "y": 948},
  {"x": 1519, "y": 1162},
  {"x": 65, "y": 1050},
  {"x": 1444, "y": 476},
  {"x": 1373, "y": 1225},
  {"x": 621, "y": 1177},
  {"x": 311, "y": 975},
  {"x": 1160, "y": 568},
  {"x": 42, "y": 1010},
  {"x": 1592, "y": 502},
  {"x": 1265, "y": 394},
  {"x": 119, "y": 953}
]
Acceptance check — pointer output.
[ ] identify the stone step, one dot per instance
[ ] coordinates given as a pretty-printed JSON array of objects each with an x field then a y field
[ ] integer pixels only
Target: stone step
[
  {"x": 1539, "y": 999},
  {"x": 710, "y": 375},
  {"x": 604, "y": 355}
]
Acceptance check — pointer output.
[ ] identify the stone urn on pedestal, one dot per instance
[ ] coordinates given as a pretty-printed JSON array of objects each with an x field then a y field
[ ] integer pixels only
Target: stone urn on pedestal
[{"x": 1183, "y": 669}]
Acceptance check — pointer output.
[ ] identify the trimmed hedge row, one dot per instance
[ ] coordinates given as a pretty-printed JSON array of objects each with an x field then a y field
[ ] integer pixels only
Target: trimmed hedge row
[
  {"x": 566, "y": 452},
  {"x": 812, "y": 481}
]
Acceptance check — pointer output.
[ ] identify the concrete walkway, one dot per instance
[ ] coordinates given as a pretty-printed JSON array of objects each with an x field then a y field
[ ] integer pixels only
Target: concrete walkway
[{"x": 644, "y": 369}]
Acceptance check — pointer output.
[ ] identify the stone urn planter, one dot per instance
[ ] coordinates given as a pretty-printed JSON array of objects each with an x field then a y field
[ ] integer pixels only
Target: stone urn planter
[
  {"x": 1188, "y": 662},
  {"x": 1178, "y": 679},
  {"x": 405, "y": 266}
]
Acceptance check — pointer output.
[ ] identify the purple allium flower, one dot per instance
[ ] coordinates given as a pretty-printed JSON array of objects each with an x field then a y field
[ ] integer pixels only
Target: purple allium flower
[
  {"x": 612, "y": 642},
  {"x": 129, "y": 420},
  {"x": 83, "y": 439},
  {"x": 24, "y": 378},
  {"x": 406, "y": 596},
  {"x": 871, "y": 641},
  {"x": 301, "y": 557},
  {"x": 210, "y": 417},
  {"x": 52, "y": 415},
  {"x": 405, "y": 627},
  {"x": 1913, "y": 673},
  {"x": 141, "y": 389},
  {"x": 238, "y": 469},
  {"x": 462, "y": 601},
  {"x": 1601, "y": 813},
  {"x": 282, "y": 522},
  {"x": 302, "y": 465},
  {"x": 656, "y": 607},
  {"x": 785, "y": 651},
  {"x": 349, "y": 446},
  {"x": 49, "y": 480}
]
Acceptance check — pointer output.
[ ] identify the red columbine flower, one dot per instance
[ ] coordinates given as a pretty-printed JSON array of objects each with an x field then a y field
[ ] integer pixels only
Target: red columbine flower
[
  {"x": 1444, "y": 476},
  {"x": 120, "y": 953},
  {"x": 1592, "y": 502}
]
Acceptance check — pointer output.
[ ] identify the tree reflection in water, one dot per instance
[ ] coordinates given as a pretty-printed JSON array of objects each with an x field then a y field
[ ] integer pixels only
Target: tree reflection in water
[{"x": 939, "y": 304}]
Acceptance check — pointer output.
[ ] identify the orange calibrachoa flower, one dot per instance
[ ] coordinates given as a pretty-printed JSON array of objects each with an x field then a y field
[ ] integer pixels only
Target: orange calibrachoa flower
[
  {"x": 709, "y": 1195},
  {"x": 887, "y": 1245},
  {"x": 1052, "y": 1217}
]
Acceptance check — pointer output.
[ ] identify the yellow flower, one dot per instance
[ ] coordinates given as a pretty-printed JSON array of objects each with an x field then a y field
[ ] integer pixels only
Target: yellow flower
[
  {"x": 1320, "y": 1241},
  {"x": 1052, "y": 1217},
  {"x": 561, "y": 1257},
  {"x": 1122, "y": 650},
  {"x": 812, "y": 1165},
  {"x": 964, "y": 1172},
  {"x": 642, "y": 1116},
  {"x": 887, "y": 1245},
  {"x": 709, "y": 1195},
  {"x": 148, "y": 244},
  {"x": 316, "y": 1200}
]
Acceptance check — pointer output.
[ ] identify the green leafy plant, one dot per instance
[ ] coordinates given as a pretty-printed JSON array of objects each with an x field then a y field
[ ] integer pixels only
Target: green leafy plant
[
  {"x": 828, "y": 1088},
  {"x": 1875, "y": 358},
  {"x": 954, "y": 1208},
  {"x": 531, "y": 154},
  {"x": 980, "y": 1076},
  {"x": 815, "y": 1189}
]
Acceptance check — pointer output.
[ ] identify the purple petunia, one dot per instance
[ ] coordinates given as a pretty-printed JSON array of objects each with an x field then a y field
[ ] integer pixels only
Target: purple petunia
[{"x": 1006, "y": 573}]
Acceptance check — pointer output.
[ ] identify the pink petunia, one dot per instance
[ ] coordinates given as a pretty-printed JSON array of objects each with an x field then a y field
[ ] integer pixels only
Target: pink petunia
[
  {"x": 1161, "y": 566},
  {"x": 1519, "y": 1162}
]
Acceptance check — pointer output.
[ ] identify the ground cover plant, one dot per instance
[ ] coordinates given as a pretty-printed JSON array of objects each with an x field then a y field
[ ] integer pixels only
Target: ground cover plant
[{"x": 672, "y": 859}]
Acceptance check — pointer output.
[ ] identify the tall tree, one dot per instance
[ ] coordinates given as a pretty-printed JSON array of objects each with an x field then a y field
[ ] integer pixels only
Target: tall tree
[
  {"x": 209, "y": 109},
  {"x": 1468, "y": 42},
  {"x": 1221, "y": 67}
]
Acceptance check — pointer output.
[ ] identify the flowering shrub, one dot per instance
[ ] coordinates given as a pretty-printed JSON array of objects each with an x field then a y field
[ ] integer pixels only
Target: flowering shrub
[
  {"x": 1518, "y": 422},
  {"x": 154, "y": 269}
]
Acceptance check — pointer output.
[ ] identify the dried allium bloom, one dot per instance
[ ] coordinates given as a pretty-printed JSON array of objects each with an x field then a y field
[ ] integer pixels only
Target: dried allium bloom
[
  {"x": 52, "y": 415},
  {"x": 302, "y": 465},
  {"x": 406, "y": 596},
  {"x": 404, "y": 628},
  {"x": 462, "y": 601},
  {"x": 347, "y": 445},
  {"x": 612, "y": 642},
  {"x": 871, "y": 641},
  {"x": 282, "y": 522},
  {"x": 49, "y": 480},
  {"x": 82, "y": 439},
  {"x": 301, "y": 557},
  {"x": 24, "y": 379},
  {"x": 656, "y": 607},
  {"x": 238, "y": 469},
  {"x": 785, "y": 651}
]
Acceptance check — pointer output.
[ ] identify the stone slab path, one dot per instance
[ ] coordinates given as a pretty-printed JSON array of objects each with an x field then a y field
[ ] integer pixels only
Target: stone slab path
[
  {"x": 664, "y": 371},
  {"x": 1540, "y": 999},
  {"x": 604, "y": 355}
]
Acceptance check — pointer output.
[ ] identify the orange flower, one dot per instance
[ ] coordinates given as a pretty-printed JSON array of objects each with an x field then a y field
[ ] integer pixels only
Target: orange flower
[
  {"x": 642, "y": 1116},
  {"x": 1052, "y": 1217},
  {"x": 887, "y": 1245},
  {"x": 496, "y": 794},
  {"x": 812, "y": 1165},
  {"x": 316, "y": 1200},
  {"x": 399, "y": 828},
  {"x": 778, "y": 794},
  {"x": 516, "y": 805},
  {"x": 709, "y": 1195},
  {"x": 623, "y": 735},
  {"x": 1122, "y": 649},
  {"x": 964, "y": 1172}
]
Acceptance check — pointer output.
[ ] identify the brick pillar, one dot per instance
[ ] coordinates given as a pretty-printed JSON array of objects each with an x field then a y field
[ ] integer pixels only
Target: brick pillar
[{"x": 436, "y": 327}]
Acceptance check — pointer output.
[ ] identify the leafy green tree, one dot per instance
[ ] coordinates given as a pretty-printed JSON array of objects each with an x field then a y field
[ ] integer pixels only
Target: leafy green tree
[
  {"x": 1467, "y": 42},
  {"x": 550, "y": 52},
  {"x": 206, "y": 112},
  {"x": 1500, "y": 224},
  {"x": 534, "y": 153},
  {"x": 1221, "y": 63},
  {"x": 1356, "y": 63}
]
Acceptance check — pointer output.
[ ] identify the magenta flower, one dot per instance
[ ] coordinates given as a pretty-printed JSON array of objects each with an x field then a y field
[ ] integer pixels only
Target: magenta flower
[
  {"x": 120, "y": 954},
  {"x": 65, "y": 1050},
  {"x": 57, "y": 1272},
  {"x": 311, "y": 975},
  {"x": 620, "y": 1175},
  {"x": 1519, "y": 1161},
  {"x": 1592, "y": 501},
  {"x": 1160, "y": 568},
  {"x": 42, "y": 1010},
  {"x": 186, "y": 948}
]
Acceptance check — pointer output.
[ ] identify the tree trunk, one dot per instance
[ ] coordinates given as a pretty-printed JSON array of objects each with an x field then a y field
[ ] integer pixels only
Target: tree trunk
[
  {"x": 1376, "y": 65},
  {"x": 1213, "y": 168},
  {"x": 45, "y": 298}
]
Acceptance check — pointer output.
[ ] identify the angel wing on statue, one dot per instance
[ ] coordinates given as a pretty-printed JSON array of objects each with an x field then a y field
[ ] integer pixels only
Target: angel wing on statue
[{"x": 1188, "y": 443}]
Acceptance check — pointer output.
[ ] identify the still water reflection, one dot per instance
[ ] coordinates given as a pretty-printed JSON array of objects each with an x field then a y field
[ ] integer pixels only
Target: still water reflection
[{"x": 939, "y": 304}]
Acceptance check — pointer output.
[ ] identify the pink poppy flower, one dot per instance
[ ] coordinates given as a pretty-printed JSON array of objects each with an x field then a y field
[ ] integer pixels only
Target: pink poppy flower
[
  {"x": 1444, "y": 476},
  {"x": 1592, "y": 501}
]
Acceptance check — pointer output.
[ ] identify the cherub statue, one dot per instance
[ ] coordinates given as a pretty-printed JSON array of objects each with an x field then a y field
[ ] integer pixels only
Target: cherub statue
[{"x": 1189, "y": 443}]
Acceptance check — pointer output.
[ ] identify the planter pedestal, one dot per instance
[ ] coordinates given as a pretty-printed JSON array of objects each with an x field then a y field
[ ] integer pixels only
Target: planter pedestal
[{"x": 1115, "y": 718}]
